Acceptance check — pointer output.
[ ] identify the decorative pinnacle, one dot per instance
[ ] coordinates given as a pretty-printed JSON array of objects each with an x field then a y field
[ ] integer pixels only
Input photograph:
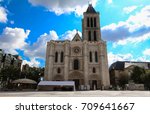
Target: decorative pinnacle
[{"x": 89, "y": 2}]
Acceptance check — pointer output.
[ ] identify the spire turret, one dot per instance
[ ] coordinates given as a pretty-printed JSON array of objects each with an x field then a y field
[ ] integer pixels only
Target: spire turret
[{"x": 90, "y": 9}]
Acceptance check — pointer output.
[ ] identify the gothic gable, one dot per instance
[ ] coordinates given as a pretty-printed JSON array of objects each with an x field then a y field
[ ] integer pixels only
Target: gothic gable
[{"x": 77, "y": 38}]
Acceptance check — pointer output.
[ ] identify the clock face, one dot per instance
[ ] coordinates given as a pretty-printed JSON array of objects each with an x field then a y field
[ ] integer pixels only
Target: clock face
[{"x": 76, "y": 50}]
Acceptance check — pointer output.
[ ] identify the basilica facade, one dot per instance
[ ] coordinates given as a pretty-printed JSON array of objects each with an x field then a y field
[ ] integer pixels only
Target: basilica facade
[{"x": 82, "y": 60}]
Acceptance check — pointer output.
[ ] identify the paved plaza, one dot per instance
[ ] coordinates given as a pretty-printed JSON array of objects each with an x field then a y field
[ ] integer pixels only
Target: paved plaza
[{"x": 97, "y": 93}]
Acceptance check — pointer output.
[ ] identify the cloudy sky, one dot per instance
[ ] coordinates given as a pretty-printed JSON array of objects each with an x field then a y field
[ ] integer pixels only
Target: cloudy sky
[{"x": 26, "y": 26}]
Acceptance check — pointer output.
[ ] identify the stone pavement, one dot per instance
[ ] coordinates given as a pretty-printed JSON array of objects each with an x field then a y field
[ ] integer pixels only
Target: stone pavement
[{"x": 97, "y": 93}]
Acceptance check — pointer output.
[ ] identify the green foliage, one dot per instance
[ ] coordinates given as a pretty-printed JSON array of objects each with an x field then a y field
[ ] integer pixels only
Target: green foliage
[
  {"x": 8, "y": 74},
  {"x": 138, "y": 74},
  {"x": 147, "y": 80},
  {"x": 33, "y": 73},
  {"x": 123, "y": 79}
]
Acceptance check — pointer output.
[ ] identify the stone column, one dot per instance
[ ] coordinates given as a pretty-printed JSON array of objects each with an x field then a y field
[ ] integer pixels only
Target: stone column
[
  {"x": 51, "y": 61},
  {"x": 104, "y": 66},
  {"x": 93, "y": 56},
  {"x": 59, "y": 56},
  {"x": 66, "y": 62},
  {"x": 85, "y": 55},
  {"x": 47, "y": 61}
]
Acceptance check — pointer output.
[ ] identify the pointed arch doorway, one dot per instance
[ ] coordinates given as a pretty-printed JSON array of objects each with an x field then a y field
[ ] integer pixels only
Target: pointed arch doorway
[{"x": 78, "y": 78}]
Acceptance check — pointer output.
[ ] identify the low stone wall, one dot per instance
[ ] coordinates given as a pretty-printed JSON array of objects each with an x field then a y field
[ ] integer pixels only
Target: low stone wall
[{"x": 134, "y": 86}]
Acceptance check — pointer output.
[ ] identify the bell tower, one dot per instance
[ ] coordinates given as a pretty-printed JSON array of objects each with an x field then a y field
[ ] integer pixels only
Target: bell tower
[{"x": 91, "y": 25}]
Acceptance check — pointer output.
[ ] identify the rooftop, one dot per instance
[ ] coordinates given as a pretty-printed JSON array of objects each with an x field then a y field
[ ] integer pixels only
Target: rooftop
[
  {"x": 90, "y": 9},
  {"x": 120, "y": 65},
  {"x": 57, "y": 83}
]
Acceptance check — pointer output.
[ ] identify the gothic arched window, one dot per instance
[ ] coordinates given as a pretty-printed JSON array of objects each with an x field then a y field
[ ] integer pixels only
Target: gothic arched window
[
  {"x": 62, "y": 57},
  {"x": 89, "y": 35},
  {"x": 76, "y": 64},
  {"x": 56, "y": 57},
  {"x": 90, "y": 56},
  {"x": 96, "y": 56},
  {"x": 95, "y": 38},
  {"x": 94, "y": 21},
  {"x": 94, "y": 70},
  {"x": 91, "y": 22},
  {"x": 88, "y": 22}
]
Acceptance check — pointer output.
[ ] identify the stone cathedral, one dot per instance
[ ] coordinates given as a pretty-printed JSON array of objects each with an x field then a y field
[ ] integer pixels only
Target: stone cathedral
[{"x": 82, "y": 60}]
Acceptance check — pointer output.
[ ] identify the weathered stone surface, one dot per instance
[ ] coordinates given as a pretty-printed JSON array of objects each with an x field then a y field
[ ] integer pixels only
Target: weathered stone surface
[{"x": 88, "y": 54}]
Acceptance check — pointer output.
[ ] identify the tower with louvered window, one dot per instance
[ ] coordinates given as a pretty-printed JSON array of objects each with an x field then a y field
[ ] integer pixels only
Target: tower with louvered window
[{"x": 83, "y": 59}]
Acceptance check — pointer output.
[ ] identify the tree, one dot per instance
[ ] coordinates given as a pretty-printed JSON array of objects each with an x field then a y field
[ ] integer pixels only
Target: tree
[
  {"x": 147, "y": 80},
  {"x": 122, "y": 80},
  {"x": 138, "y": 74},
  {"x": 8, "y": 74},
  {"x": 33, "y": 73}
]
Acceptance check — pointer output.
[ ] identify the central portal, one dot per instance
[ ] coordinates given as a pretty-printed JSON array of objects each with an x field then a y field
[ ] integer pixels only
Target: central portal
[
  {"x": 78, "y": 78},
  {"x": 77, "y": 83},
  {"x": 94, "y": 85}
]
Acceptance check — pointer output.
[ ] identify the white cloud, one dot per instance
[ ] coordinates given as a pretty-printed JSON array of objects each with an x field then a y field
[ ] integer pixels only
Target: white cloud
[
  {"x": 134, "y": 30},
  {"x": 69, "y": 35},
  {"x": 143, "y": 59},
  {"x": 131, "y": 40},
  {"x": 32, "y": 63},
  {"x": 64, "y": 6},
  {"x": 146, "y": 52},
  {"x": 37, "y": 50},
  {"x": 118, "y": 57},
  {"x": 141, "y": 19},
  {"x": 3, "y": 15},
  {"x": 110, "y": 1},
  {"x": 13, "y": 38},
  {"x": 128, "y": 57},
  {"x": 130, "y": 9}
]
